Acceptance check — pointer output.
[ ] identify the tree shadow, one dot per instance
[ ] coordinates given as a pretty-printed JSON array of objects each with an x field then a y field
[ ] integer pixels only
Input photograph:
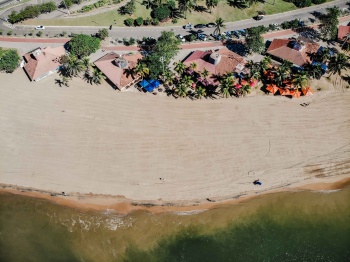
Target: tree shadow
[{"x": 200, "y": 9}]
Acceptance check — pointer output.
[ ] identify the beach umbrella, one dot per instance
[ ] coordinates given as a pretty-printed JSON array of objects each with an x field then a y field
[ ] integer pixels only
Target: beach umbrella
[
  {"x": 238, "y": 86},
  {"x": 193, "y": 85},
  {"x": 253, "y": 83},
  {"x": 244, "y": 82},
  {"x": 272, "y": 88},
  {"x": 307, "y": 91},
  {"x": 295, "y": 93},
  {"x": 284, "y": 92}
]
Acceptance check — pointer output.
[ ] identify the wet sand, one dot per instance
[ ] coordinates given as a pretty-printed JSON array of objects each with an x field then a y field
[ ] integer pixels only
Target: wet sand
[{"x": 87, "y": 138}]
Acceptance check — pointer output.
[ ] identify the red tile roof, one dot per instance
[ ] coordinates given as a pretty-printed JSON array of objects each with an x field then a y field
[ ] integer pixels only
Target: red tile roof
[
  {"x": 41, "y": 61},
  {"x": 228, "y": 62},
  {"x": 343, "y": 31},
  {"x": 281, "y": 48},
  {"x": 114, "y": 73}
]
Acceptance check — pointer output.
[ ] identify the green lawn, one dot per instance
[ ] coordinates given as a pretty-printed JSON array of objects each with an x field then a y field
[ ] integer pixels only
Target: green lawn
[{"x": 223, "y": 10}]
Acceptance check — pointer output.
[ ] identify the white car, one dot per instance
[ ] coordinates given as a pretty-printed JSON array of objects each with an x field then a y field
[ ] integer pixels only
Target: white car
[
  {"x": 182, "y": 39},
  {"x": 40, "y": 27}
]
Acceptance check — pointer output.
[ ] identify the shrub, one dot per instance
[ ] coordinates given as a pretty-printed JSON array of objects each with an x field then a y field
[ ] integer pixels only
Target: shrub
[
  {"x": 63, "y": 33},
  {"x": 174, "y": 21},
  {"x": 129, "y": 22},
  {"x": 155, "y": 21},
  {"x": 317, "y": 2},
  {"x": 132, "y": 41},
  {"x": 302, "y": 3},
  {"x": 0, "y": 31},
  {"x": 39, "y": 34},
  {"x": 147, "y": 21},
  {"x": 9, "y": 32},
  {"x": 102, "y": 33},
  {"x": 31, "y": 11},
  {"x": 138, "y": 21},
  {"x": 129, "y": 8},
  {"x": 161, "y": 12}
]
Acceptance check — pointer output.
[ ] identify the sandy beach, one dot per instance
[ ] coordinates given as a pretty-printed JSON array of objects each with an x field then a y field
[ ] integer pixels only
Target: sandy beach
[{"x": 92, "y": 139}]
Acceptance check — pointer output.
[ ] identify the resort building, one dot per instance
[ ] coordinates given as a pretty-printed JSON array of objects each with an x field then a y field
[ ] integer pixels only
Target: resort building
[
  {"x": 43, "y": 62},
  {"x": 114, "y": 67},
  {"x": 294, "y": 50},
  {"x": 217, "y": 63},
  {"x": 343, "y": 31}
]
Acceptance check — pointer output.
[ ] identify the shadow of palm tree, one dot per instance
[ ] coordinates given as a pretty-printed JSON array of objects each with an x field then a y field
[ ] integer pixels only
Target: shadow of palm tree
[{"x": 130, "y": 72}]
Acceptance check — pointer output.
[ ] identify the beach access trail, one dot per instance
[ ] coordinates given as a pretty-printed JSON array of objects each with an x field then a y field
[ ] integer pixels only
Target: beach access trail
[{"x": 87, "y": 138}]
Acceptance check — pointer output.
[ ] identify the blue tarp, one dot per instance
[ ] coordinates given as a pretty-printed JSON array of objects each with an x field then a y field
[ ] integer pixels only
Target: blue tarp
[
  {"x": 149, "y": 85},
  {"x": 323, "y": 66},
  {"x": 144, "y": 83}
]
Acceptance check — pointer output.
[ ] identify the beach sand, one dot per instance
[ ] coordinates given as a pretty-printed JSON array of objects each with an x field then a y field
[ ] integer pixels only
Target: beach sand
[{"x": 92, "y": 139}]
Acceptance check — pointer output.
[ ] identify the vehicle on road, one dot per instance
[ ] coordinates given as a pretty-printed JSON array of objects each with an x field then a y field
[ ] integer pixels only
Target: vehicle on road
[
  {"x": 211, "y": 25},
  {"x": 200, "y": 26},
  {"x": 182, "y": 39},
  {"x": 242, "y": 32},
  {"x": 188, "y": 26},
  {"x": 258, "y": 17},
  {"x": 40, "y": 27}
]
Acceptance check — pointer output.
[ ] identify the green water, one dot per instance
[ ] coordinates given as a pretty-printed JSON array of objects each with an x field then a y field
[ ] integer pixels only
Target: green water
[{"x": 303, "y": 226}]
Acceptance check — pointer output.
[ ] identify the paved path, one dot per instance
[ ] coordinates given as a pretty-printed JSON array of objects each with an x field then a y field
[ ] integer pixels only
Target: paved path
[{"x": 138, "y": 32}]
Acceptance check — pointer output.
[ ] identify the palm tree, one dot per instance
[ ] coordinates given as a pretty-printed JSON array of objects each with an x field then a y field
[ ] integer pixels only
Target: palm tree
[
  {"x": 300, "y": 79},
  {"x": 200, "y": 92},
  {"x": 97, "y": 77},
  {"x": 87, "y": 64},
  {"x": 73, "y": 67},
  {"x": 287, "y": 66},
  {"x": 179, "y": 67},
  {"x": 280, "y": 76},
  {"x": 186, "y": 6},
  {"x": 323, "y": 55},
  {"x": 211, "y": 3},
  {"x": 245, "y": 90},
  {"x": 338, "y": 63},
  {"x": 219, "y": 23},
  {"x": 254, "y": 69},
  {"x": 168, "y": 78},
  {"x": 62, "y": 82},
  {"x": 141, "y": 69},
  {"x": 226, "y": 87},
  {"x": 186, "y": 81},
  {"x": 204, "y": 73},
  {"x": 240, "y": 4},
  {"x": 265, "y": 63},
  {"x": 193, "y": 66},
  {"x": 315, "y": 71},
  {"x": 181, "y": 90}
]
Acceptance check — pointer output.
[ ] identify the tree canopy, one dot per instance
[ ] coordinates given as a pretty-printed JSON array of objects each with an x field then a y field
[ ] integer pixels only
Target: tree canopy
[
  {"x": 9, "y": 60},
  {"x": 254, "y": 41},
  {"x": 83, "y": 45}
]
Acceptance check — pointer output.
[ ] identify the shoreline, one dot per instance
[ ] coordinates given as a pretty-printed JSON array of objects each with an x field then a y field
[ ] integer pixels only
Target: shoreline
[{"x": 124, "y": 206}]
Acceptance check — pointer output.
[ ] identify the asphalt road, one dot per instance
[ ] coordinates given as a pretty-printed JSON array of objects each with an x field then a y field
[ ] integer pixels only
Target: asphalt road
[{"x": 138, "y": 32}]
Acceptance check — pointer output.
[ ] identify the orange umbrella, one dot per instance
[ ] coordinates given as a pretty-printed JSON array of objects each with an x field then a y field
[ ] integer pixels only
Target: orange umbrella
[
  {"x": 244, "y": 82},
  {"x": 307, "y": 91},
  {"x": 295, "y": 93},
  {"x": 272, "y": 88},
  {"x": 285, "y": 92}
]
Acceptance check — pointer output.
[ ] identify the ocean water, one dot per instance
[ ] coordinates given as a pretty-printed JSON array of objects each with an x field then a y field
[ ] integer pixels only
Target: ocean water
[{"x": 299, "y": 226}]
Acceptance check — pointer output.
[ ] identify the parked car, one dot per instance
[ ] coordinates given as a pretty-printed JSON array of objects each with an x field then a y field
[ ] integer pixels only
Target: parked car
[
  {"x": 200, "y": 26},
  {"x": 202, "y": 37},
  {"x": 211, "y": 25},
  {"x": 242, "y": 32},
  {"x": 182, "y": 39},
  {"x": 188, "y": 26},
  {"x": 40, "y": 27},
  {"x": 235, "y": 34}
]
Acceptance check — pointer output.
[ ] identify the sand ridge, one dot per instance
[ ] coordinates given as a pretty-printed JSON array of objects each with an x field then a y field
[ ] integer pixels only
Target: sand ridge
[{"x": 93, "y": 139}]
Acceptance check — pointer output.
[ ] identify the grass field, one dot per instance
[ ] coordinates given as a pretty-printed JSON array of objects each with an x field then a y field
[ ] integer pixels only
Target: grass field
[{"x": 223, "y": 10}]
